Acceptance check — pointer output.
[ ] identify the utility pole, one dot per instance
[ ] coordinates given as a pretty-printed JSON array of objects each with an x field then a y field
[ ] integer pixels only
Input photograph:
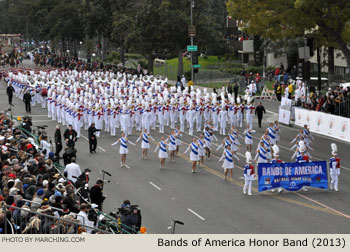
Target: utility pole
[
  {"x": 304, "y": 70},
  {"x": 192, "y": 70}
]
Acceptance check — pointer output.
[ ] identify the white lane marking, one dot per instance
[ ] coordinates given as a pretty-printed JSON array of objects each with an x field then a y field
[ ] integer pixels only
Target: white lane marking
[
  {"x": 154, "y": 185},
  {"x": 49, "y": 120},
  {"x": 30, "y": 115},
  {"x": 271, "y": 112},
  {"x": 101, "y": 149},
  {"x": 200, "y": 217},
  {"x": 84, "y": 137}
]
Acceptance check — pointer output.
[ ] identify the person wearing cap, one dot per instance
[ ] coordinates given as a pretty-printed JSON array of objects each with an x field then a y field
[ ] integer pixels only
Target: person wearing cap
[
  {"x": 38, "y": 199},
  {"x": 248, "y": 174},
  {"x": 334, "y": 168},
  {"x": 83, "y": 178}
]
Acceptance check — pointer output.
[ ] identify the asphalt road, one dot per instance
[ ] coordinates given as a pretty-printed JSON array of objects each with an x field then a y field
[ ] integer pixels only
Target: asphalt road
[{"x": 204, "y": 201}]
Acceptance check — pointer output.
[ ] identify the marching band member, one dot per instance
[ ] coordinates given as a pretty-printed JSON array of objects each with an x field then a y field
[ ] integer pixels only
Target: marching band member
[
  {"x": 178, "y": 141},
  {"x": 276, "y": 152},
  {"x": 248, "y": 174},
  {"x": 145, "y": 143},
  {"x": 163, "y": 154},
  {"x": 302, "y": 157},
  {"x": 272, "y": 134},
  {"x": 194, "y": 157},
  {"x": 228, "y": 162},
  {"x": 201, "y": 150},
  {"x": 239, "y": 113},
  {"x": 123, "y": 150},
  {"x": 223, "y": 118},
  {"x": 248, "y": 140},
  {"x": 249, "y": 112},
  {"x": 261, "y": 153},
  {"x": 172, "y": 145},
  {"x": 208, "y": 136},
  {"x": 334, "y": 168}
]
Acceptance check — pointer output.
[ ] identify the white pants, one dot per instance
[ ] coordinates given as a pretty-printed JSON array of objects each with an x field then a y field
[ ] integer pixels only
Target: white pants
[
  {"x": 247, "y": 184},
  {"x": 334, "y": 181}
]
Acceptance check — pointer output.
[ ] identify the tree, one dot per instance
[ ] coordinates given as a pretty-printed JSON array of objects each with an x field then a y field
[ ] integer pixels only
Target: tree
[{"x": 326, "y": 20}]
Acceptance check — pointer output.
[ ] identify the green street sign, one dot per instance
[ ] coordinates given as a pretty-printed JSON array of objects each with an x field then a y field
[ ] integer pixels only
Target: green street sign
[
  {"x": 196, "y": 66},
  {"x": 192, "y": 48}
]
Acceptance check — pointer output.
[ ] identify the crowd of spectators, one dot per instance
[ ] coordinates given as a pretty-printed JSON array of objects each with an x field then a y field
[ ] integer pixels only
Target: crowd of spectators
[
  {"x": 335, "y": 101},
  {"x": 30, "y": 182}
]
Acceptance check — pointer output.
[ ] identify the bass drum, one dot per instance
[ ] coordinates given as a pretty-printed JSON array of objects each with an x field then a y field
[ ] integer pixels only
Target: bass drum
[{"x": 44, "y": 91}]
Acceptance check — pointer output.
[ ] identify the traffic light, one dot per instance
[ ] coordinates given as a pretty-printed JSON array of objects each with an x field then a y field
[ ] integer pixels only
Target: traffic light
[
  {"x": 306, "y": 71},
  {"x": 195, "y": 61},
  {"x": 300, "y": 69},
  {"x": 195, "y": 58}
]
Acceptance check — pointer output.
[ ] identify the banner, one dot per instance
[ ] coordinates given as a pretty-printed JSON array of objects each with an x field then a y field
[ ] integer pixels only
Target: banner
[
  {"x": 286, "y": 103},
  {"x": 325, "y": 124},
  {"x": 292, "y": 176},
  {"x": 284, "y": 116}
]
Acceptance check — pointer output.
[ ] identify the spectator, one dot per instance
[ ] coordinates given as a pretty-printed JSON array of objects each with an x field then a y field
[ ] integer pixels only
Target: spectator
[
  {"x": 58, "y": 141},
  {"x": 72, "y": 170},
  {"x": 82, "y": 216},
  {"x": 96, "y": 194},
  {"x": 70, "y": 136}
]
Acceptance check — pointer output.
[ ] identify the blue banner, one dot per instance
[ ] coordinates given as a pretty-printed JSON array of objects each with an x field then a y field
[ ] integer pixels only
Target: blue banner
[{"x": 292, "y": 176}]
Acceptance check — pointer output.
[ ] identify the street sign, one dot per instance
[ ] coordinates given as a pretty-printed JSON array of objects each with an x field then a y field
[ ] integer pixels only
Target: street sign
[
  {"x": 192, "y": 30},
  {"x": 192, "y": 48},
  {"x": 196, "y": 66}
]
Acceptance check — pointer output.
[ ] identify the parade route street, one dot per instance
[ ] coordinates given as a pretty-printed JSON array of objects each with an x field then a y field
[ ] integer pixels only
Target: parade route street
[{"x": 204, "y": 201}]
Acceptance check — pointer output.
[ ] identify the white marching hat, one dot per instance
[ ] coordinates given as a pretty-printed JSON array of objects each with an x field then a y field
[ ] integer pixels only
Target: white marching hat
[
  {"x": 248, "y": 157},
  {"x": 302, "y": 147},
  {"x": 334, "y": 149},
  {"x": 276, "y": 150}
]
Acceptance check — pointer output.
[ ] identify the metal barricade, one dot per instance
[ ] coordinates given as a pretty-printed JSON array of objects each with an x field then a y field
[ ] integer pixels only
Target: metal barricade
[{"x": 24, "y": 221}]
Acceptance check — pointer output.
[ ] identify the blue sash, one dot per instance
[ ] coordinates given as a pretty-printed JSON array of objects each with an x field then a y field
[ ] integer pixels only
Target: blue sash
[
  {"x": 172, "y": 140},
  {"x": 227, "y": 143},
  {"x": 200, "y": 142},
  {"x": 207, "y": 136},
  {"x": 272, "y": 133},
  {"x": 249, "y": 135},
  {"x": 145, "y": 138},
  {"x": 228, "y": 156},
  {"x": 123, "y": 143},
  {"x": 162, "y": 146},
  {"x": 194, "y": 148}
]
